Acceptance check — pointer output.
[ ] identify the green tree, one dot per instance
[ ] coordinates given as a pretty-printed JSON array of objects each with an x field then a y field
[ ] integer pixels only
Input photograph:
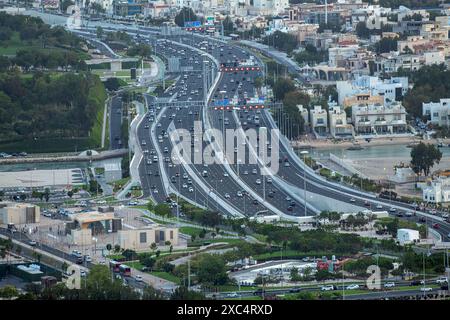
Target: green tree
[
  {"x": 163, "y": 210},
  {"x": 182, "y": 293},
  {"x": 424, "y": 157},
  {"x": 210, "y": 269},
  {"x": 186, "y": 14}
]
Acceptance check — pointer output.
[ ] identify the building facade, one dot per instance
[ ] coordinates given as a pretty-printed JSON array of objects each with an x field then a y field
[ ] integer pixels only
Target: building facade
[
  {"x": 19, "y": 213},
  {"x": 379, "y": 119}
]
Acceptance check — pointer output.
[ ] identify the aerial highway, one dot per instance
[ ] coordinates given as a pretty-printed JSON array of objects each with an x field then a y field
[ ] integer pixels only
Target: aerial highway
[{"x": 292, "y": 177}]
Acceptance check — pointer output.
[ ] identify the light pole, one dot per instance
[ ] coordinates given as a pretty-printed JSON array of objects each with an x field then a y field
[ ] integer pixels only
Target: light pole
[{"x": 304, "y": 153}]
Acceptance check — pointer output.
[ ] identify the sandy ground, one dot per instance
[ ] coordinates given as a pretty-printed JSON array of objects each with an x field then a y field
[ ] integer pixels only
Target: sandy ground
[
  {"x": 382, "y": 168},
  {"x": 314, "y": 143}
]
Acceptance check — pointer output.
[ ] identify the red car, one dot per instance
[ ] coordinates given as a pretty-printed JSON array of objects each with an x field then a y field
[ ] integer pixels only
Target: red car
[{"x": 436, "y": 226}]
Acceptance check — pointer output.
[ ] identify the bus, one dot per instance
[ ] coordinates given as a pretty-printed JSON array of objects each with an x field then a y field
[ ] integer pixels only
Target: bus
[
  {"x": 125, "y": 270},
  {"x": 114, "y": 266}
]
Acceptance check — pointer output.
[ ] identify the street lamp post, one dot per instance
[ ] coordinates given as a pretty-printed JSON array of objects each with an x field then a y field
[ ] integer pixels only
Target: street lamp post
[{"x": 304, "y": 153}]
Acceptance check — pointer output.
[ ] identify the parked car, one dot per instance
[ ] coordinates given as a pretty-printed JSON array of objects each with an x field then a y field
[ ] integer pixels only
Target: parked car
[
  {"x": 353, "y": 287},
  {"x": 327, "y": 288},
  {"x": 389, "y": 285}
]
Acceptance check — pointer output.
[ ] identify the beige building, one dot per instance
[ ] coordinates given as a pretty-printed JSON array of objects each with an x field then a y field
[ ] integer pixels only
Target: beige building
[
  {"x": 319, "y": 120},
  {"x": 141, "y": 239},
  {"x": 339, "y": 128},
  {"x": 364, "y": 98},
  {"x": 19, "y": 213},
  {"x": 80, "y": 237}
]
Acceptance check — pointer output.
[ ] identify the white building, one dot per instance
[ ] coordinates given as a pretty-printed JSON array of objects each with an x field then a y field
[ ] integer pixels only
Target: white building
[
  {"x": 304, "y": 112},
  {"x": 338, "y": 55},
  {"x": 405, "y": 236},
  {"x": 338, "y": 122},
  {"x": 438, "y": 112},
  {"x": 268, "y": 7},
  {"x": 391, "y": 90},
  {"x": 438, "y": 191},
  {"x": 377, "y": 119},
  {"x": 319, "y": 120}
]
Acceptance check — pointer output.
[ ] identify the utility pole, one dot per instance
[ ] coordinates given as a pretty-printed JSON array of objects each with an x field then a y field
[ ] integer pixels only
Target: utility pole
[{"x": 189, "y": 271}]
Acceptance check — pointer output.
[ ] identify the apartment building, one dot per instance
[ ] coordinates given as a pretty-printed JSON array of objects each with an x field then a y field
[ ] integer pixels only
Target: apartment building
[
  {"x": 378, "y": 119},
  {"x": 141, "y": 239},
  {"x": 339, "y": 128},
  {"x": 19, "y": 213},
  {"x": 319, "y": 120},
  {"x": 438, "y": 113}
]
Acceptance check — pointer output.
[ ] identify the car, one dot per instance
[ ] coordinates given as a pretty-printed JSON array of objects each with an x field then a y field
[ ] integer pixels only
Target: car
[
  {"x": 83, "y": 273},
  {"x": 239, "y": 194},
  {"x": 367, "y": 203},
  {"x": 32, "y": 243},
  {"x": 245, "y": 172},
  {"x": 327, "y": 288},
  {"x": 225, "y": 174},
  {"x": 392, "y": 209},
  {"x": 232, "y": 295},
  {"x": 79, "y": 260},
  {"x": 379, "y": 206},
  {"x": 227, "y": 196},
  {"x": 254, "y": 171},
  {"x": 442, "y": 280},
  {"x": 138, "y": 278},
  {"x": 389, "y": 285},
  {"x": 352, "y": 287},
  {"x": 416, "y": 283},
  {"x": 436, "y": 226},
  {"x": 87, "y": 258},
  {"x": 408, "y": 214},
  {"x": 426, "y": 289},
  {"x": 286, "y": 164},
  {"x": 269, "y": 180},
  {"x": 290, "y": 208},
  {"x": 258, "y": 181},
  {"x": 191, "y": 189},
  {"x": 294, "y": 290},
  {"x": 352, "y": 200}
]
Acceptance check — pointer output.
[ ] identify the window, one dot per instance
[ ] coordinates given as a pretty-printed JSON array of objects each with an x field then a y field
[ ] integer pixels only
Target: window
[
  {"x": 171, "y": 234},
  {"x": 143, "y": 237}
]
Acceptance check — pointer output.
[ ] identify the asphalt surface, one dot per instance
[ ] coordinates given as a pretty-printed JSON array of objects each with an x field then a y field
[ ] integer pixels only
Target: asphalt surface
[{"x": 115, "y": 123}]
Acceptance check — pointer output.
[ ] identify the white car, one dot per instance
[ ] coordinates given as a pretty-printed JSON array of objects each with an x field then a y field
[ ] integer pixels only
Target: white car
[
  {"x": 352, "y": 200},
  {"x": 353, "y": 287},
  {"x": 227, "y": 196},
  {"x": 426, "y": 289},
  {"x": 392, "y": 209},
  {"x": 379, "y": 206},
  {"x": 225, "y": 174},
  {"x": 327, "y": 288},
  {"x": 138, "y": 278},
  {"x": 191, "y": 189},
  {"x": 232, "y": 295},
  {"x": 258, "y": 181},
  {"x": 389, "y": 285},
  {"x": 442, "y": 280}
]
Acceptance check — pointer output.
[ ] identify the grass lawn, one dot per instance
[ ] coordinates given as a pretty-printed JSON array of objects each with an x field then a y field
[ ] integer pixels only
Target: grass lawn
[
  {"x": 190, "y": 231},
  {"x": 167, "y": 276}
]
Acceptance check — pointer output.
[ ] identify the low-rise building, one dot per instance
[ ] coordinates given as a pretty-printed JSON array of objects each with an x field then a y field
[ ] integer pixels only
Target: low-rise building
[
  {"x": 319, "y": 120},
  {"x": 379, "y": 119},
  {"x": 438, "y": 113},
  {"x": 19, "y": 213},
  {"x": 406, "y": 236},
  {"x": 339, "y": 128},
  {"x": 141, "y": 239},
  {"x": 437, "y": 191}
]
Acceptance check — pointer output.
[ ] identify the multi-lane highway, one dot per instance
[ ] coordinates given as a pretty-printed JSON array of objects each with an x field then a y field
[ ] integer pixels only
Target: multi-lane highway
[{"x": 243, "y": 190}]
